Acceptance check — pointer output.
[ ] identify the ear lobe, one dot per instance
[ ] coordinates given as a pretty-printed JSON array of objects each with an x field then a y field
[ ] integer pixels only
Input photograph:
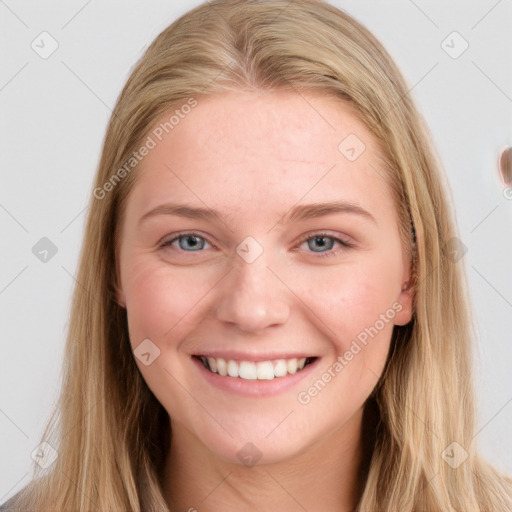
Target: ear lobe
[
  {"x": 120, "y": 299},
  {"x": 118, "y": 289},
  {"x": 406, "y": 298}
]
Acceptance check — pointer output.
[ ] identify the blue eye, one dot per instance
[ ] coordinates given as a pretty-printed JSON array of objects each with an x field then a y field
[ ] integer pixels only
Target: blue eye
[
  {"x": 320, "y": 243},
  {"x": 187, "y": 241},
  {"x": 320, "y": 240}
]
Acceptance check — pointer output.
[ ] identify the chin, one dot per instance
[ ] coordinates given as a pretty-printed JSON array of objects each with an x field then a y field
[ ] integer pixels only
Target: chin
[{"x": 257, "y": 452}]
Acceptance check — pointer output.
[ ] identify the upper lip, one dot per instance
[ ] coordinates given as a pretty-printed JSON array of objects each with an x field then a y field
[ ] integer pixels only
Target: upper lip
[{"x": 241, "y": 356}]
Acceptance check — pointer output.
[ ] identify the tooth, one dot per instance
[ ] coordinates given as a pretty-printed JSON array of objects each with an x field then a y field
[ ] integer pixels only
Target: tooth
[
  {"x": 265, "y": 370},
  {"x": 280, "y": 368},
  {"x": 221, "y": 367},
  {"x": 213, "y": 364},
  {"x": 232, "y": 368},
  {"x": 247, "y": 370},
  {"x": 291, "y": 365},
  {"x": 262, "y": 370}
]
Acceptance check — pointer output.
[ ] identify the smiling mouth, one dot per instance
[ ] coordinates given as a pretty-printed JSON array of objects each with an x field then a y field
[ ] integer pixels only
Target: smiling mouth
[{"x": 249, "y": 370}]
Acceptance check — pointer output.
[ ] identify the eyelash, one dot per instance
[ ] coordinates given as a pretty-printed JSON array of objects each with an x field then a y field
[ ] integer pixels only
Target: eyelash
[{"x": 344, "y": 243}]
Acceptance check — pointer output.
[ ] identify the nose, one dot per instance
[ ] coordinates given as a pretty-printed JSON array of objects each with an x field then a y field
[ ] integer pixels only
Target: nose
[{"x": 251, "y": 297}]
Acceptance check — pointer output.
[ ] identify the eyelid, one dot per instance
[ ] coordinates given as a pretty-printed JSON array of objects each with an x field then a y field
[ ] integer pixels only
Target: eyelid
[
  {"x": 167, "y": 240},
  {"x": 343, "y": 241},
  {"x": 327, "y": 234}
]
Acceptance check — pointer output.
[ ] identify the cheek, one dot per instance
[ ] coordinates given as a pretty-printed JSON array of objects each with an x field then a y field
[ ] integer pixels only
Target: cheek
[
  {"x": 357, "y": 306},
  {"x": 352, "y": 297},
  {"x": 161, "y": 300}
]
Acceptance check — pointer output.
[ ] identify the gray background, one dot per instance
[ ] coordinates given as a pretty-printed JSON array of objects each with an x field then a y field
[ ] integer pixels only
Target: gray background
[{"x": 54, "y": 116}]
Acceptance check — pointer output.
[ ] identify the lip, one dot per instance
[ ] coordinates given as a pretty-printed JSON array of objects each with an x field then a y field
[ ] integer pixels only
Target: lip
[
  {"x": 239, "y": 356},
  {"x": 257, "y": 388}
]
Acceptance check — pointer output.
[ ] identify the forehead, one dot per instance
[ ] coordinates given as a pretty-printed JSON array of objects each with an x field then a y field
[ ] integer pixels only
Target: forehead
[{"x": 235, "y": 151}]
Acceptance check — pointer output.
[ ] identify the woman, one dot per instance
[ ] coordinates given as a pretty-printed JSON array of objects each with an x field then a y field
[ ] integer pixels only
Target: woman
[{"x": 269, "y": 311}]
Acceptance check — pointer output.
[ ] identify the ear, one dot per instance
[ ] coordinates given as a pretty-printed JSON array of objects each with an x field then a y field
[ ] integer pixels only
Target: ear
[
  {"x": 119, "y": 294},
  {"x": 118, "y": 289},
  {"x": 406, "y": 295},
  {"x": 120, "y": 299},
  {"x": 405, "y": 299}
]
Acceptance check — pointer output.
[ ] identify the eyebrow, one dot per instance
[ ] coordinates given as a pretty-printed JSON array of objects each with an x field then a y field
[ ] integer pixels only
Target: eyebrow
[{"x": 297, "y": 213}]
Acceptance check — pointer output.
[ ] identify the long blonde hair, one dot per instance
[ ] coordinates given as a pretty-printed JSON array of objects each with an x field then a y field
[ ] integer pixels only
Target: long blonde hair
[{"x": 110, "y": 431}]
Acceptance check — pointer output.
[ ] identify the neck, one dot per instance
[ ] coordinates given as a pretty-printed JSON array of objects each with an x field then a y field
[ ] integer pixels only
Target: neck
[{"x": 325, "y": 476}]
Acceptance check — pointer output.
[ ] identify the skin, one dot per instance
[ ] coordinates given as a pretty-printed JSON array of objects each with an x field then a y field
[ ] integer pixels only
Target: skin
[{"x": 253, "y": 156}]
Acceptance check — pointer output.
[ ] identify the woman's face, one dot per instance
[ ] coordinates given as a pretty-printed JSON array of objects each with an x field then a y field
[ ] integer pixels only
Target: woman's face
[{"x": 268, "y": 281}]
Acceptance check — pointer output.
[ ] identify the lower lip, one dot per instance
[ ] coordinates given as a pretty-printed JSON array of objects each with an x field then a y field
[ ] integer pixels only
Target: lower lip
[{"x": 254, "y": 387}]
